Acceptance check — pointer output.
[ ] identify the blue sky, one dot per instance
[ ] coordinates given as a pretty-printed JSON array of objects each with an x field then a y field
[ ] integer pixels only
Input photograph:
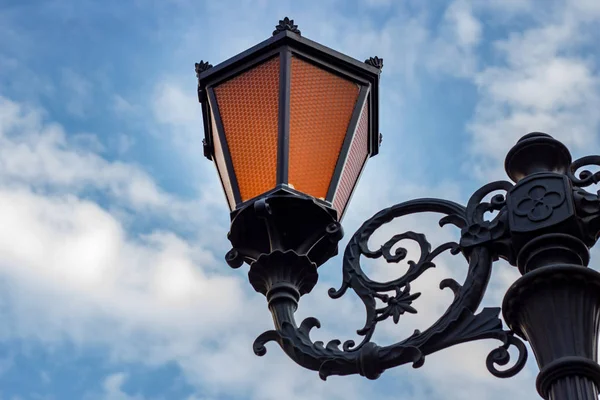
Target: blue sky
[{"x": 113, "y": 225}]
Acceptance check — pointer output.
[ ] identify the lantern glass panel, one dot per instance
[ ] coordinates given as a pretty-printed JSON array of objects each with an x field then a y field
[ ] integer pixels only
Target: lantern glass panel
[
  {"x": 249, "y": 109},
  {"x": 358, "y": 154},
  {"x": 221, "y": 165},
  {"x": 321, "y": 105}
]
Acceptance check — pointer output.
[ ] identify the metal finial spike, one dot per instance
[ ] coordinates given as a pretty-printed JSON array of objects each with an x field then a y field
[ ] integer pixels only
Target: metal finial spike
[
  {"x": 375, "y": 62},
  {"x": 201, "y": 67},
  {"x": 286, "y": 24}
]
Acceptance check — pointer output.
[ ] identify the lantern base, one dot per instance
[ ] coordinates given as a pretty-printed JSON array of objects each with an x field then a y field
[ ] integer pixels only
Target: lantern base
[
  {"x": 283, "y": 276},
  {"x": 283, "y": 222}
]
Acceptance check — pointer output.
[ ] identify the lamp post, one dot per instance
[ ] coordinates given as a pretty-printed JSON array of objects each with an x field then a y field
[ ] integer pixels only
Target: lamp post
[{"x": 290, "y": 125}]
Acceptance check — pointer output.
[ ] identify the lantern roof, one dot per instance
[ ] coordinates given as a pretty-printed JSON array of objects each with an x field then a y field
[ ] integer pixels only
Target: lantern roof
[{"x": 287, "y": 34}]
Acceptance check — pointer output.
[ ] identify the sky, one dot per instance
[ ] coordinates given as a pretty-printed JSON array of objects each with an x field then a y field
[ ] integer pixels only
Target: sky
[{"x": 113, "y": 284}]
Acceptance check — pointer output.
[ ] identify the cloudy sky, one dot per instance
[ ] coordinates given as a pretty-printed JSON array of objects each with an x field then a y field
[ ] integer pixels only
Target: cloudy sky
[{"x": 113, "y": 226}]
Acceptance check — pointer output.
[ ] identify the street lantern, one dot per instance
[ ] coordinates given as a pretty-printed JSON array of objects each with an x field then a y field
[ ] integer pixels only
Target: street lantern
[
  {"x": 290, "y": 114},
  {"x": 290, "y": 125}
]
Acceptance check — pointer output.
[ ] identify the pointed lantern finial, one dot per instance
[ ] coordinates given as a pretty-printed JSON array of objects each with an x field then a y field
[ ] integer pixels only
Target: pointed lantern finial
[
  {"x": 375, "y": 62},
  {"x": 286, "y": 24}
]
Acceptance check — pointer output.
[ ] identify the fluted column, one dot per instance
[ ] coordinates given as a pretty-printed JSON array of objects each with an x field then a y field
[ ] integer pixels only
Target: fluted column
[{"x": 555, "y": 305}]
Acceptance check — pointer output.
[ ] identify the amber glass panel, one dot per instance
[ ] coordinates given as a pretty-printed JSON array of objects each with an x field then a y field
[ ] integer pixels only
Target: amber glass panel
[
  {"x": 357, "y": 156},
  {"x": 249, "y": 106},
  {"x": 321, "y": 106},
  {"x": 221, "y": 167}
]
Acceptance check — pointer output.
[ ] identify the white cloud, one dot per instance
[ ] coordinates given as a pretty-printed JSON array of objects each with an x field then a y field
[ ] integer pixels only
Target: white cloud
[
  {"x": 36, "y": 153},
  {"x": 178, "y": 109},
  {"x": 70, "y": 248},
  {"x": 467, "y": 27},
  {"x": 112, "y": 389},
  {"x": 452, "y": 50},
  {"x": 540, "y": 83},
  {"x": 586, "y": 9}
]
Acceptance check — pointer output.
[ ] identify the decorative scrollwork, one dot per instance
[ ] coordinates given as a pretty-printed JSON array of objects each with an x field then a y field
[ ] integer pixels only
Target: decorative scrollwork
[
  {"x": 396, "y": 305},
  {"x": 369, "y": 290},
  {"x": 539, "y": 203},
  {"x": 494, "y": 233},
  {"x": 458, "y": 324},
  {"x": 500, "y": 356},
  {"x": 586, "y": 177},
  {"x": 586, "y": 203}
]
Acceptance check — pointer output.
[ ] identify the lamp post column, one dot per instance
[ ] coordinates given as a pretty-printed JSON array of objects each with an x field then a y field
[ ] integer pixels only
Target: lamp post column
[{"x": 555, "y": 304}]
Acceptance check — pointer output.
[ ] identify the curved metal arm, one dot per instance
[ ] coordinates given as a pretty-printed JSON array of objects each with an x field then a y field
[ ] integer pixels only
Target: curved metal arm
[
  {"x": 544, "y": 225},
  {"x": 458, "y": 324}
]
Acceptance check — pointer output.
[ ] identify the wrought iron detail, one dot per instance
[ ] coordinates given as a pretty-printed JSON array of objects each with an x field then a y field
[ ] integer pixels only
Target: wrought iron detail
[
  {"x": 587, "y": 204},
  {"x": 201, "y": 67},
  {"x": 375, "y": 62},
  {"x": 543, "y": 223},
  {"x": 586, "y": 177},
  {"x": 493, "y": 233},
  {"x": 397, "y": 305},
  {"x": 286, "y": 24},
  {"x": 459, "y": 324},
  {"x": 539, "y": 203}
]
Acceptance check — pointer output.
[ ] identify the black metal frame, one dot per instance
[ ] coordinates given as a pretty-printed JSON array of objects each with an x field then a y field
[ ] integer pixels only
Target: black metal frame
[
  {"x": 283, "y": 154},
  {"x": 345, "y": 152},
  {"x": 216, "y": 116},
  {"x": 287, "y": 43}
]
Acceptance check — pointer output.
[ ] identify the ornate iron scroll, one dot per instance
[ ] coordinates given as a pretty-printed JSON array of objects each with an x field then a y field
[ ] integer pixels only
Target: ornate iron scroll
[
  {"x": 460, "y": 323},
  {"x": 587, "y": 203}
]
